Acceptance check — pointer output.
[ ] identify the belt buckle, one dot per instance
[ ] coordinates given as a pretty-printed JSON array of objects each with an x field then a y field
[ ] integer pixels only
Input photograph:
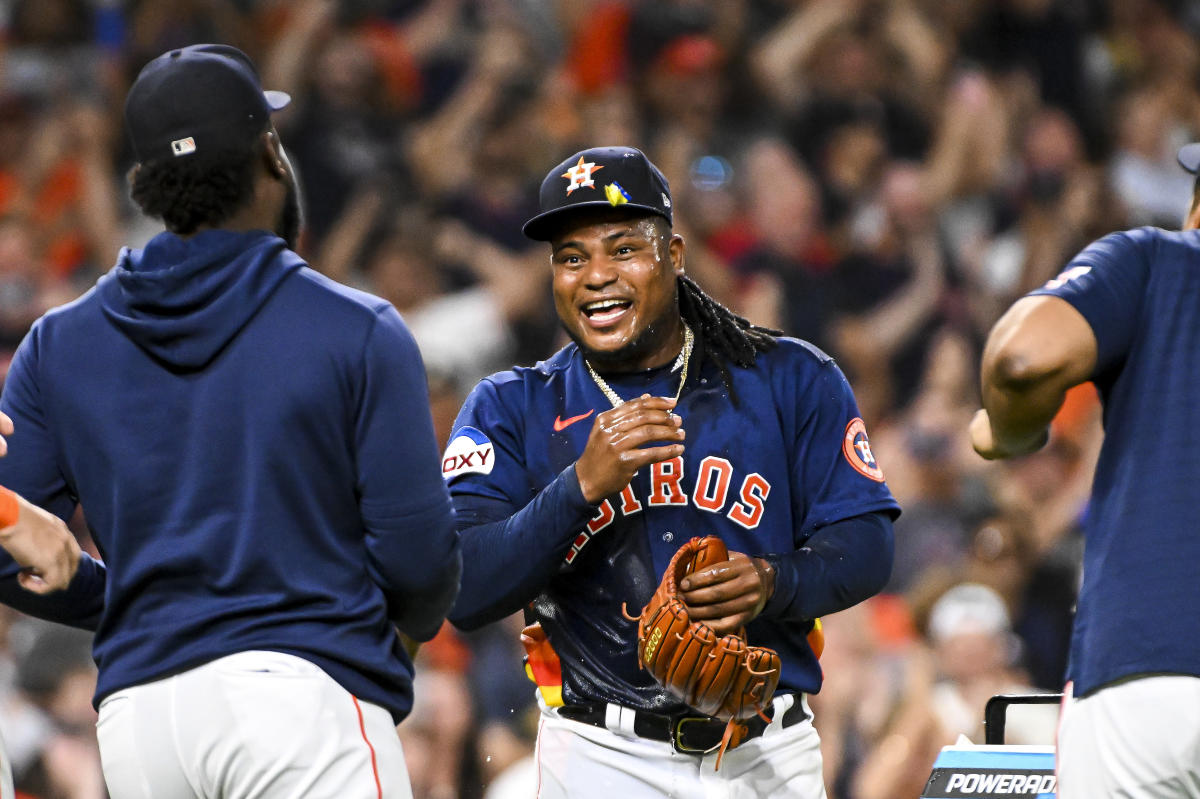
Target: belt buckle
[{"x": 677, "y": 736}]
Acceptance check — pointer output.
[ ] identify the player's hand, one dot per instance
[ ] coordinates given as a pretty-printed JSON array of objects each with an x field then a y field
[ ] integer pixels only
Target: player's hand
[
  {"x": 727, "y": 596},
  {"x": 984, "y": 441},
  {"x": 617, "y": 446},
  {"x": 43, "y": 546}
]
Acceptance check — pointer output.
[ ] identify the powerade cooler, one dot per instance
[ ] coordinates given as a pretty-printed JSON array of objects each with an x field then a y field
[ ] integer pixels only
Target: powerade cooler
[{"x": 995, "y": 771}]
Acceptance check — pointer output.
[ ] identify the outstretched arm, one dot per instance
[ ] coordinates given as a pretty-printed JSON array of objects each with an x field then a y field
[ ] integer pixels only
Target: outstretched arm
[
  {"x": 1040, "y": 348},
  {"x": 39, "y": 542}
]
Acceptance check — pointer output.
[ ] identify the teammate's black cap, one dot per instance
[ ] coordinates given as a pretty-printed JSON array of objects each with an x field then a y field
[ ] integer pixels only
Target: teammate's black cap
[
  {"x": 602, "y": 176},
  {"x": 200, "y": 98},
  {"x": 1189, "y": 157}
]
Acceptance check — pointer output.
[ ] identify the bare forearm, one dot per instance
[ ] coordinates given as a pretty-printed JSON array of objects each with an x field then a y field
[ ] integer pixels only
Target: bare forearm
[
  {"x": 1020, "y": 418},
  {"x": 1037, "y": 351}
]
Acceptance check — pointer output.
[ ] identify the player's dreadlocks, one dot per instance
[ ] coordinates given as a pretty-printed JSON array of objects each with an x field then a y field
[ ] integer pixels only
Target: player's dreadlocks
[
  {"x": 194, "y": 192},
  {"x": 728, "y": 338}
]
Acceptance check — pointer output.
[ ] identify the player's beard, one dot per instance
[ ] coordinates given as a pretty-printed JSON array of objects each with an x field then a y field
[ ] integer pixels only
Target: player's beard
[
  {"x": 645, "y": 342},
  {"x": 291, "y": 217}
]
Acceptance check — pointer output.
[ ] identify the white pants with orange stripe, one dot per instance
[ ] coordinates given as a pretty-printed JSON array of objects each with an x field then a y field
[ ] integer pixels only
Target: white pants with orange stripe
[
  {"x": 579, "y": 761},
  {"x": 6, "y": 777},
  {"x": 254, "y": 724},
  {"x": 1137, "y": 739}
]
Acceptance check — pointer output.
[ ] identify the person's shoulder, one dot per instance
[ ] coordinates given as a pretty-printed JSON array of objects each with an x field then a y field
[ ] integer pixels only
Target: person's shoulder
[
  {"x": 330, "y": 294},
  {"x": 518, "y": 377},
  {"x": 1143, "y": 240},
  {"x": 796, "y": 367},
  {"x": 74, "y": 315},
  {"x": 1184, "y": 242},
  {"x": 795, "y": 353}
]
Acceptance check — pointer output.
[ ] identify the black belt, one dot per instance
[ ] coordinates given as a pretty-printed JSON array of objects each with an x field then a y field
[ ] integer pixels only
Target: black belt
[{"x": 692, "y": 735}]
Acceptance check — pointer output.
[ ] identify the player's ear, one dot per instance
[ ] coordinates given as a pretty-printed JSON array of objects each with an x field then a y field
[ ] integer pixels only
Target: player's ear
[
  {"x": 272, "y": 153},
  {"x": 1192, "y": 220},
  {"x": 675, "y": 250}
]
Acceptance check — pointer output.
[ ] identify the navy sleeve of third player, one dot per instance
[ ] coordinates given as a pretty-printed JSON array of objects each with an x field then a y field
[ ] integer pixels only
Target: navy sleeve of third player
[
  {"x": 412, "y": 547},
  {"x": 1106, "y": 283}
]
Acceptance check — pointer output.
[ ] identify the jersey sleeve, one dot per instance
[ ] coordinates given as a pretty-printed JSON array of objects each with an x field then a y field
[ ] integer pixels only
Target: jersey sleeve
[
  {"x": 31, "y": 466},
  {"x": 1105, "y": 283},
  {"x": 514, "y": 534},
  {"x": 834, "y": 471},
  {"x": 484, "y": 463},
  {"x": 31, "y": 469},
  {"x": 412, "y": 545}
]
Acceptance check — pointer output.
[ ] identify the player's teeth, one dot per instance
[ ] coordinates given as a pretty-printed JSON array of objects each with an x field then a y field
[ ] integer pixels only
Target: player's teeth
[{"x": 603, "y": 305}]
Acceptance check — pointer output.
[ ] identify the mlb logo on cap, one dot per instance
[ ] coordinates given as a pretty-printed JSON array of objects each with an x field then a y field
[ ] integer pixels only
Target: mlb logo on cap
[
  {"x": 183, "y": 146},
  {"x": 203, "y": 98}
]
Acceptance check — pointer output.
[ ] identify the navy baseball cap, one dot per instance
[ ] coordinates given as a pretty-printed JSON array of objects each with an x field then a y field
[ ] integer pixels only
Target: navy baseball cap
[
  {"x": 1189, "y": 157},
  {"x": 616, "y": 177},
  {"x": 197, "y": 99}
]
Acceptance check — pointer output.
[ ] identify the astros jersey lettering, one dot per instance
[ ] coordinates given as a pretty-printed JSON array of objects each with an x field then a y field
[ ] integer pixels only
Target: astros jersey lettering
[{"x": 790, "y": 457}]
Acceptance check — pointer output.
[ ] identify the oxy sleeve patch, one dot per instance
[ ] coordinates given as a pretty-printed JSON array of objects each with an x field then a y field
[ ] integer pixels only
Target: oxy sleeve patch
[
  {"x": 469, "y": 451},
  {"x": 857, "y": 450}
]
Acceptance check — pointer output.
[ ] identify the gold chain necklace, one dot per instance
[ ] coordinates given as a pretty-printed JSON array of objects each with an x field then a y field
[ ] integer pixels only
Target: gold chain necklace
[{"x": 681, "y": 363}]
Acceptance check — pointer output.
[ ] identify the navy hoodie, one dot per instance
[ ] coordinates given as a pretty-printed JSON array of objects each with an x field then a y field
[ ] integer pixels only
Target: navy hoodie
[{"x": 253, "y": 449}]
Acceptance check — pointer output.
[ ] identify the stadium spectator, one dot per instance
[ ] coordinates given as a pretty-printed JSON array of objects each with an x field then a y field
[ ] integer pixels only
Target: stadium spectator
[{"x": 883, "y": 178}]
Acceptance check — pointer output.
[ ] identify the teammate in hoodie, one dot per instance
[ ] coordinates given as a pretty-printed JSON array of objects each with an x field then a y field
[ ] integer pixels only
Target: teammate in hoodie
[{"x": 254, "y": 450}]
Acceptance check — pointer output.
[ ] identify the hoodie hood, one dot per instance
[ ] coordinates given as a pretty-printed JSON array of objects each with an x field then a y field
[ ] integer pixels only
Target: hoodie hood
[{"x": 183, "y": 300}]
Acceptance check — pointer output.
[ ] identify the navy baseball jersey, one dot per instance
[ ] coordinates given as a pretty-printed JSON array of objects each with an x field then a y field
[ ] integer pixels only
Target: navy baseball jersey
[
  {"x": 1140, "y": 292},
  {"x": 792, "y": 456}
]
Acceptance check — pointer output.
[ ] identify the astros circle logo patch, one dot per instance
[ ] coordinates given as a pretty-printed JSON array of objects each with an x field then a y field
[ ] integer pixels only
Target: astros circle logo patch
[{"x": 857, "y": 450}]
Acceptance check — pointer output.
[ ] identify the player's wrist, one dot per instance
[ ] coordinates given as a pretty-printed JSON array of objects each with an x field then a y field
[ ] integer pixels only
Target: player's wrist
[
  {"x": 586, "y": 488},
  {"x": 766, "y": 576},
  {"x": 1014, "y": 445},
  {"x": 10, "y": 509}
]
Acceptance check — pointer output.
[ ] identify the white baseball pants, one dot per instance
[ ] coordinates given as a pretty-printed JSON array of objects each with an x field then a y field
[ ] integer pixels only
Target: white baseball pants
[
  {"x": 6, "y": 777},
  {"x": 1138, "y": 739},
  {"x": 256, "y": 724},
  {"x": 579, "y": 761}
]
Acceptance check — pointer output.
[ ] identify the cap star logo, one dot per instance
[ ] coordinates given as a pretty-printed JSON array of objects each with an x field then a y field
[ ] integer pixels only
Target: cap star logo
[{"x": 580, "y": 175}]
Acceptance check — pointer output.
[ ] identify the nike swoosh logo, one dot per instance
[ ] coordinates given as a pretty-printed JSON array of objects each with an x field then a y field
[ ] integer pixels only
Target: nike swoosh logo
[{"x": 561, "y": 424}]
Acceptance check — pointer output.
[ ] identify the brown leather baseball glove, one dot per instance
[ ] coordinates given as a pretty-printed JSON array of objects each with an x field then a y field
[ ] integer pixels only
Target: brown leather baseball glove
[{"x": 720, "y": 676}]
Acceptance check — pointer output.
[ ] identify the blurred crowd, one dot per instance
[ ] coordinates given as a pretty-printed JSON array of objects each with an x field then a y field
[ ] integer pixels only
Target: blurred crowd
[{"x": 880, "y": 177}]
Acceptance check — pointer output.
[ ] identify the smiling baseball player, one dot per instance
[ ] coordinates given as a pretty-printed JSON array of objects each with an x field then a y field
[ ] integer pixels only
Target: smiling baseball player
[{"x": 668, "y": 417}]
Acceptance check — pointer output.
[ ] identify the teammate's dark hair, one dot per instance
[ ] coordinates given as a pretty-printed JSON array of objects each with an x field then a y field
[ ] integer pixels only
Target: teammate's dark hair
[
  {"x": 727, "y": 337},
  {"x": 195, "y": 191}
]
